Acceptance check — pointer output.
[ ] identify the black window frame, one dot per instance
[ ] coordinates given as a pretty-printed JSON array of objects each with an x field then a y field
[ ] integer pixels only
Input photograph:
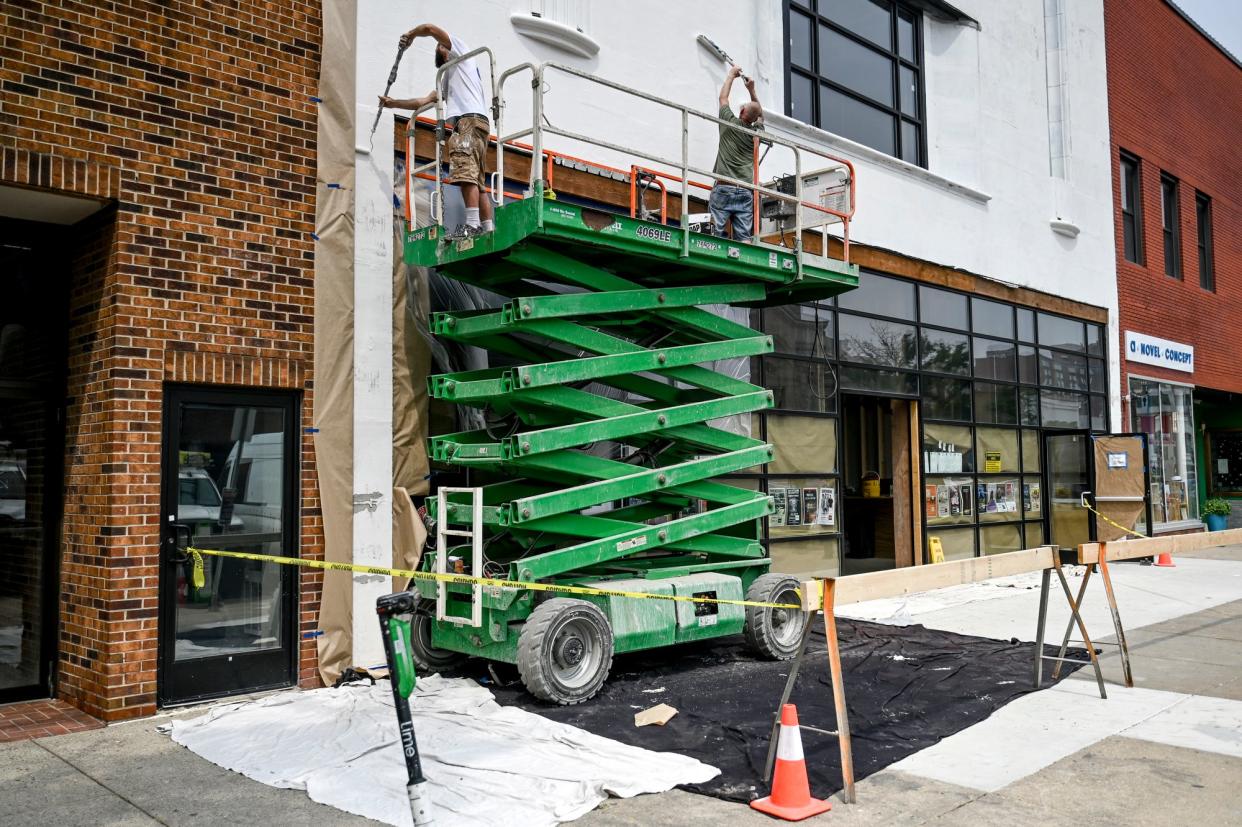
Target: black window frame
[
  {"x": 1131, "y": 180},
  {"x": 898, "y": 9},
  {"x": 1170, "y": 225},
  {"x": 1093, "y": 405},
  {"x": 1203, "y": 233}
]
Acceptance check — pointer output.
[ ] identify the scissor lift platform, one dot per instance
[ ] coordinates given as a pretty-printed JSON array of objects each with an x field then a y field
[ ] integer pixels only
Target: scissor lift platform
[{"x": 603, "y": 341}]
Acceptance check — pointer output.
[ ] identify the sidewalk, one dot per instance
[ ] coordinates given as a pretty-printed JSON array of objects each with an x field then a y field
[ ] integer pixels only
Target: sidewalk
[{"x": 1152, "y": 755}]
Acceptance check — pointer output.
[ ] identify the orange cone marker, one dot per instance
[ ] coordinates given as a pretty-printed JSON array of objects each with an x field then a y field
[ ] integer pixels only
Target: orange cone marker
[
  {"x": 791, "y": 792},
  {"x": 1165, "y": 559}
]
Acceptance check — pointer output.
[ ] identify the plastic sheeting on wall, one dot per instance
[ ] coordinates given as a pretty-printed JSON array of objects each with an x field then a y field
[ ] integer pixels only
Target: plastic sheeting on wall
[{"x": 334, "y": 327}]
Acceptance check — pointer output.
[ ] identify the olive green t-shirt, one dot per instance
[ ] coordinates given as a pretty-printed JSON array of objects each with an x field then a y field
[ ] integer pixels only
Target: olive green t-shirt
[{"x": 736, "y": 155}]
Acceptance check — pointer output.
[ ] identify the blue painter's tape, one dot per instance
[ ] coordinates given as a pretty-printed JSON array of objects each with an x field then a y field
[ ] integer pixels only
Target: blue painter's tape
[
  {"x": 315, "y": 236},
  {"x": 310, "y": 430},
  {"x": 316, "y": 100},
  {"x": 334, "y": 186},
  {"x": 311, "y": 635}
]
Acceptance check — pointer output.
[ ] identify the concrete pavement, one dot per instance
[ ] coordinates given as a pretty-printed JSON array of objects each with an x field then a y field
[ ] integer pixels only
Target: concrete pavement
[{"x": 1151, "y": 771}]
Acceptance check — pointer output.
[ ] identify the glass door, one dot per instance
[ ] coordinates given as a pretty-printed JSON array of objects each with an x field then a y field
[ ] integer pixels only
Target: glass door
[
  {"x": 229, "y": 483},
  {"x": 1067, "y": 460}
]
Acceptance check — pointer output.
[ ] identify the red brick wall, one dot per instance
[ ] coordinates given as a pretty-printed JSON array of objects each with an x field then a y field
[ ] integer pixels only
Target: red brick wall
[
  {"x": 196, "y": 119},
  {"x": 1175, "y": 101}
]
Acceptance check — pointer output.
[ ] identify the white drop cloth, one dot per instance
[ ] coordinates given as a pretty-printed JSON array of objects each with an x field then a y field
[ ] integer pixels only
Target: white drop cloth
[{"x": 486, "y": 764}]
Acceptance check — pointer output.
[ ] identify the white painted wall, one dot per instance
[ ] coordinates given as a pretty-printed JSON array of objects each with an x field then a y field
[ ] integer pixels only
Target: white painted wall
[{"x": 373, "y": 347}]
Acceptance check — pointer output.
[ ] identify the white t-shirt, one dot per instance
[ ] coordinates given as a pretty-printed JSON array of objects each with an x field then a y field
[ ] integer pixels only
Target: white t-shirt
[{"x": 464, "y": 84}]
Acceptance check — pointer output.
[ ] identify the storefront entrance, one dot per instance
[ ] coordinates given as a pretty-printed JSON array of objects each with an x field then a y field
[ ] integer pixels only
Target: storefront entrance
[
  {"x": 33, "y": 329},
  {"x": 230, "y": 483},
  {"x": 878, "y": 481}
]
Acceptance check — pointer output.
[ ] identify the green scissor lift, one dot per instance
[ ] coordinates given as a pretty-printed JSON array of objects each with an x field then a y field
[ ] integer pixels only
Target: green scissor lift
[{"x": 603, "y": 343}]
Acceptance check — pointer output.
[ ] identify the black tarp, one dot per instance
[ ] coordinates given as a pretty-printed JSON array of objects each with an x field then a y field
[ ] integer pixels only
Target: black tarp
[{"x": 906, "y": 687}]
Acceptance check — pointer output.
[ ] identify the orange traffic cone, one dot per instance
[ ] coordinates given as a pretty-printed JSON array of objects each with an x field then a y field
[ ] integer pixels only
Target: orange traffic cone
[
  {"x": 791, "y": 793},
  {"x": 1165, "y": 559}
]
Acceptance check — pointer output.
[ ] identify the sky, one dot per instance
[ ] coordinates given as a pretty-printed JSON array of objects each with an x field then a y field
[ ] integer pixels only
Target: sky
[{"x": 1222, "y": 19}]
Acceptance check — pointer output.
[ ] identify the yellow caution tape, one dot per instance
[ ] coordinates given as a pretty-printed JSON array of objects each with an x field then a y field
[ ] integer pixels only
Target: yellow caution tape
[
  {"x": 1112, "y": 522},
  {"x": 199, "y": 579}
]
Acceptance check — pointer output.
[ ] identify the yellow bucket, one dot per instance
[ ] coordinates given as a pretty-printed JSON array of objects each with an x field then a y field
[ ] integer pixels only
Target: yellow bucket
[{"x": 871, "y": 488}]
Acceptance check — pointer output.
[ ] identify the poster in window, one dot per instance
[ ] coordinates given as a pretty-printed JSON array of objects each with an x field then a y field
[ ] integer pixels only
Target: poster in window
[
  {"x": 929, "y": 500},
  {"x": 991, "y": 509},
  {"x": 793, "y": 506},
  {"x": 778, "y": 507},
  {"x": 1035, "y": 502},
  {"x": 1011, "y": 502},
  {"x": 967, "y": 499},
  {"x": 983, "y": 497},
  {"x": 826, "y": 514},
  {"x": 810, "y": 505},
  {"x": 1026, "y": 497},
  {"x": 991, "y": 462},
  {"x": 955, "y": 501},
  {"x": 942, "y": 501}
]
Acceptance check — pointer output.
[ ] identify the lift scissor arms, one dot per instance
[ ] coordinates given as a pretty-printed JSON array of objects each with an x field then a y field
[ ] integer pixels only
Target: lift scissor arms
[
  {"x": 499, "y": 496},
  {"x": 472, "y": 387},
  {"x": 596, "y": 341},
  {"x": 465, "y": 324},
  {"x": 643, "y": 539}
]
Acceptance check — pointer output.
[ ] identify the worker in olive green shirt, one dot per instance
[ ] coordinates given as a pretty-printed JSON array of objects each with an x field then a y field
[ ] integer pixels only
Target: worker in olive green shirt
[{"x": 735, "y": 158}]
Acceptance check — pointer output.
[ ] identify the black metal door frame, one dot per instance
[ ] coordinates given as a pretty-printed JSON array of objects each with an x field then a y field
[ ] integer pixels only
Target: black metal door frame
[
  {"x": 217, "y": 676},
  {"x": 1092, "y": 479}
]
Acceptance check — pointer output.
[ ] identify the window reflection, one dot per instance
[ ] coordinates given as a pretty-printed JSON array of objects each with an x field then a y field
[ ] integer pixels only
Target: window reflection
[
  {"x": 877, "y": 342},
  {"x": 230, "y": 494}
]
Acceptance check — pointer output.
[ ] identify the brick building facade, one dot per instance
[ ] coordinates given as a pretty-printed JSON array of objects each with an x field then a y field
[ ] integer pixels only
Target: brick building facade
[
  {"x": 157, "y": 164},
  {"x": 1175, "y": 105}
]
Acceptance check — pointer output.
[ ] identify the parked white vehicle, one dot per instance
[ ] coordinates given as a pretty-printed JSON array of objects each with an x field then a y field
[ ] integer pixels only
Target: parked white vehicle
[
  {"x": 254, "y": 473},
  {"x": 199, "y": 500}
]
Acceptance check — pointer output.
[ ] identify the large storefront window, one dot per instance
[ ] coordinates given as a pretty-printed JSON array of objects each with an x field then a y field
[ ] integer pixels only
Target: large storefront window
[
  {"x": 1165, "y": 413},
  {"x": 988, "y": 378}
]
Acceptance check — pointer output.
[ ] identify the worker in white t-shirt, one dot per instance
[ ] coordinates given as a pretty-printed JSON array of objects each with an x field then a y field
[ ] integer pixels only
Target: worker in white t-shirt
[{"x": 466, "y": 104}]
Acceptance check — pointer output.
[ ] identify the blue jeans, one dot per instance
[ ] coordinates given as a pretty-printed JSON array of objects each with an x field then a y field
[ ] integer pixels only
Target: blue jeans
[{"x": 737, "y": 203}]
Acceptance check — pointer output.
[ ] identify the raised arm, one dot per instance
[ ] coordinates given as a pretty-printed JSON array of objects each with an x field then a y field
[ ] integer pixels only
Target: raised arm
[
  {"x": 427, "y": 30},
  {"x": 413, "y": 104},
  {"x": 734, "y": 71},
  {"x": 749, "y": 83}
]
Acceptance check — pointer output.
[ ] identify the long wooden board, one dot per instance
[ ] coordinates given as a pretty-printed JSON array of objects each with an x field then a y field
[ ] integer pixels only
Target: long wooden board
[
  {"x": 1175, "y": 544},
  {"x": 896, "y": 582},
  {"x": 876, "y": 585}
]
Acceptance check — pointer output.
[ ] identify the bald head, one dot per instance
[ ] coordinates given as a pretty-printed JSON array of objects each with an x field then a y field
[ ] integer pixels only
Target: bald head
[{"x": 751, "y": 112}]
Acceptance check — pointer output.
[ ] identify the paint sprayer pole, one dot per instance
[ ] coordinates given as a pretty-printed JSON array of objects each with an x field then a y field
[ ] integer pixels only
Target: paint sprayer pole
[
  {"x": 392, "y": 78},
  {"x": 395, "y": 614}
]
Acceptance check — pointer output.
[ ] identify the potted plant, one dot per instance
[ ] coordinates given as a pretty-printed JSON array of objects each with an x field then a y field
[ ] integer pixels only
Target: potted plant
[{"x": 1214, "y": 512}]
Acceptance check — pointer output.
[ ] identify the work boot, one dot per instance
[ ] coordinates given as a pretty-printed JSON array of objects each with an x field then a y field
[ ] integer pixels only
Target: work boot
[{"x": 463, "y": 231}]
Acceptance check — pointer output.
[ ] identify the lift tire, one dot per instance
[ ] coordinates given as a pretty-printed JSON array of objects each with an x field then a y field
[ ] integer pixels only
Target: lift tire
[
  {"x": 774, "y": 633},
  {"x": 565, "y": 651},
  {"x": 428, "y": 658}
]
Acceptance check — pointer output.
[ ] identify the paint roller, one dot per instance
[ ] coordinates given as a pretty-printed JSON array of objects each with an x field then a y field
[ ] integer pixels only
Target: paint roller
[{"x": 720, "y": 54}]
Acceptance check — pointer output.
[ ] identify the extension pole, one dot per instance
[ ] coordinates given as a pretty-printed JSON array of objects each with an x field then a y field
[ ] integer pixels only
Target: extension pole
[
  {"x": 392, "y": 78},
  {"x": 394, "y": 612}
]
